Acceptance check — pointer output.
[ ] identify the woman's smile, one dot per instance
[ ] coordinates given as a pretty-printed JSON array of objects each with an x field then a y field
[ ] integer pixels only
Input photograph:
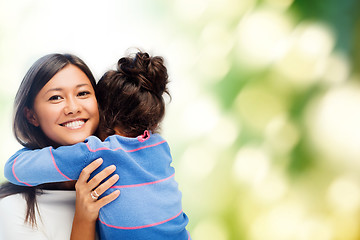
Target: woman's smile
[
  {"x": 66, "y": 108},
  {"x": 74, "y": 124}
]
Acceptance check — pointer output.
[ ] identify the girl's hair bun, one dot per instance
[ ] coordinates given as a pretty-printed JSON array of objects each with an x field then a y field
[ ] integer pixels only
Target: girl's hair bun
[{"x": 149, "y": 73}]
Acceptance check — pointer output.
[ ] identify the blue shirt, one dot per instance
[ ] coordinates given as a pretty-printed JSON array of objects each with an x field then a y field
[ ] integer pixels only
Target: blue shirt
[{"x": 149, "y": 206}]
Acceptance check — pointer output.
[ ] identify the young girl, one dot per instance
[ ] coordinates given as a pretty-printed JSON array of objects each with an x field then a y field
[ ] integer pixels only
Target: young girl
[
  {"x": 132, "y": 106},
  {"x": 57, "y": 89}
]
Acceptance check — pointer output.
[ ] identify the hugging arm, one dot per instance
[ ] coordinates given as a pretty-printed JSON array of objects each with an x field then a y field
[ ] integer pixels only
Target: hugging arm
[{"x": 33, "y": 167}]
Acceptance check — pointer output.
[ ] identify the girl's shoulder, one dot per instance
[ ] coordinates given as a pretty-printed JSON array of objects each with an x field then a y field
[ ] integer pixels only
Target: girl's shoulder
[{"x": 120, "y": 142}]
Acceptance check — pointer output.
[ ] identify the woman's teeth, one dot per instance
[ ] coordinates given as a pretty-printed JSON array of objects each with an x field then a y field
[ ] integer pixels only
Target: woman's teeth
[{"x": 74, "y": 124}]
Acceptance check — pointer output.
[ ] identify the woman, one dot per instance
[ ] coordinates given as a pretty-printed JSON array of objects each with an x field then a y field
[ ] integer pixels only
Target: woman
[{"x": 55, "y": 105}]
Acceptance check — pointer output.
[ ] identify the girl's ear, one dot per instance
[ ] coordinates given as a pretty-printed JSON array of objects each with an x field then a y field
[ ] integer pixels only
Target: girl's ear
[{"x": 31, "y": 117}]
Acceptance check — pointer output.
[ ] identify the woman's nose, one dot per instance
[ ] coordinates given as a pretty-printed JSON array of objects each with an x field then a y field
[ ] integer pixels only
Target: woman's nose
[{"x": 72, "y": 107}]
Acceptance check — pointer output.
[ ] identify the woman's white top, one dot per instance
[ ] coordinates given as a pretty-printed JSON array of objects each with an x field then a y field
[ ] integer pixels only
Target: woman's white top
[{"x": 56, "y": 209}]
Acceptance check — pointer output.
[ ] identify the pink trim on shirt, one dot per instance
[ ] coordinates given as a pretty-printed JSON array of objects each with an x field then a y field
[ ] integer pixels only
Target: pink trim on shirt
[
  {"x": 143, "y": 184},
  {"x": 119, "y": 148},
  {"x": 144, "y": 137},
  {"x": 13, "y": 171},
  {"x": 144, "y": 226},
  {"x": 56, "y": 167}
]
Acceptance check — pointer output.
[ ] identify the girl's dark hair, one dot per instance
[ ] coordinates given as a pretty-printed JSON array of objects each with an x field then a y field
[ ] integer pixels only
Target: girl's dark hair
[
  {"x": 25, "y": 133},
  {"x": 131, "y": 97}
]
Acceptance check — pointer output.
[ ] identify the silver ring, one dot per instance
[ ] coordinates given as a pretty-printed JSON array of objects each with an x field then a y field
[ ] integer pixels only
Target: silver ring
[{"x": 94, "y": 195}]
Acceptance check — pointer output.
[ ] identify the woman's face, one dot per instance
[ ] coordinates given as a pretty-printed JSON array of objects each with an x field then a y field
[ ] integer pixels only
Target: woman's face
[{"x": 66, "y": 108}]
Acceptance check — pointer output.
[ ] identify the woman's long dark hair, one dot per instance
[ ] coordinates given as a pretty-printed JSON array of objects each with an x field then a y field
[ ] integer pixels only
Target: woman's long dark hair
[{"x": 25, "y": 133}]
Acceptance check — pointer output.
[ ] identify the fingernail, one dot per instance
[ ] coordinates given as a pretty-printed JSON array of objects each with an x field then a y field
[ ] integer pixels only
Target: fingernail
[{"x": 99, "y": 160}]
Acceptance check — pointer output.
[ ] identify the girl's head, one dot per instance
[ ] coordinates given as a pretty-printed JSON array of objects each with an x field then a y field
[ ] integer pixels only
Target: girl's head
[
  {"x": 131, "y": 98},
  {"x": 55, "y": 103}
]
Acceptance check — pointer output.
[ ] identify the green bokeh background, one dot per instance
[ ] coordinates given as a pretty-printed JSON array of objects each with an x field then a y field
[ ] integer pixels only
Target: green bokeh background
[{"x": 265, "y": 111}]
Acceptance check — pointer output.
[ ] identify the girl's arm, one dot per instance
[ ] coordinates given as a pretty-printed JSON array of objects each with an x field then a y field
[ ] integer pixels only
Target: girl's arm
[
  {"x": 33, "y": 167},
  {"x": 87, "y": 209}
]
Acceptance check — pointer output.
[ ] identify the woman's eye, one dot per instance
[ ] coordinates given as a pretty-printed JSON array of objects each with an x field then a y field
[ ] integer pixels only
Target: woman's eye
[
  {"x": 83, "y": 93},
  {"x": 54, "y": 98}
]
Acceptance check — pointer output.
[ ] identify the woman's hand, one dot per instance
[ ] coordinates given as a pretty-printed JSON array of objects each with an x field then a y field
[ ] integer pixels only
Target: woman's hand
[{"x": 87, "y": 206}]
